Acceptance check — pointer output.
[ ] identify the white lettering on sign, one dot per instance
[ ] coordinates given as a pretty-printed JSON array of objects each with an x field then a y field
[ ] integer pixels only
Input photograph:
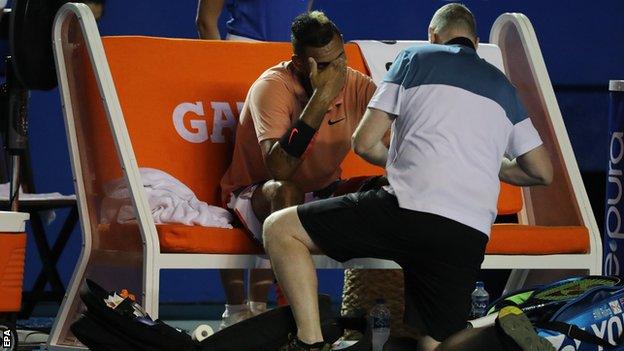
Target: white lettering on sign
[
  {"x": 223, "y": 117},
  {"x": 7, "y": 340},
  {"x": 615, "y": 324},
  {"x": 614, "y": 217},
  {"x": 609, "y": 330}
]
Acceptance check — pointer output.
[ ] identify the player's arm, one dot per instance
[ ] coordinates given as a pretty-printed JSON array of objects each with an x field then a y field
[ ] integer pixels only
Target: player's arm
[
  {"x": 208, "y": 12},
  {"x": 368, "y": 139},
  {"x": 284, "y": 155},
  {"x": 531, "y": 168}
]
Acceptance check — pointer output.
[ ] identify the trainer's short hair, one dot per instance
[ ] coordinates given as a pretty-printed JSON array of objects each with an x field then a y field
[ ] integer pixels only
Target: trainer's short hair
[
  {"x": 312, "y": 29},
  {"x": 454, "y": 17}
]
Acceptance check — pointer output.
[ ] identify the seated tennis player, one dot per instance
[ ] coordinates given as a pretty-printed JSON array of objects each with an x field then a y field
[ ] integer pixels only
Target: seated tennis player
[
  {"x": 314, "y": 94},
  {"x": 459, "y": 128}
]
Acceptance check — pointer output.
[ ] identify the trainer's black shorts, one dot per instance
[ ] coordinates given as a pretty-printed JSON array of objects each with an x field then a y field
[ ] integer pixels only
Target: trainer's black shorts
[{"x": 439, "y": 256}]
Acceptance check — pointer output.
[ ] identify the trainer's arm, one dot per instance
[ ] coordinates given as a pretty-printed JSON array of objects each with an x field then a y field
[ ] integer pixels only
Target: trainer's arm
[
  {"x": 531, "y": 168},
  {"x": 327, "y": 84},
  {"x": 208, "y": 12},
  {"x": 367, "y": 141}
]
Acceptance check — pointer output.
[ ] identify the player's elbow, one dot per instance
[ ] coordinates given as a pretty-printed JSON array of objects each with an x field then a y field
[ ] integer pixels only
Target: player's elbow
[
  {"x": 279, "y": 165},
  {"x": 278, "y": 170}
]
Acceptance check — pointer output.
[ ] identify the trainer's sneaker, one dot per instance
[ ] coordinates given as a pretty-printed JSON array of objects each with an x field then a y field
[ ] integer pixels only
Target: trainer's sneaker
[
  {"x": 230, "y": 317},
  {"x": 294, "y": 344},
  {"x": 513, "y": 322}
]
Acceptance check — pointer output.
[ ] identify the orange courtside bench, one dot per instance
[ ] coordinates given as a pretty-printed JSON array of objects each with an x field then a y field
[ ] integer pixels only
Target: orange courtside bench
[{"x": 213, "y": 77}]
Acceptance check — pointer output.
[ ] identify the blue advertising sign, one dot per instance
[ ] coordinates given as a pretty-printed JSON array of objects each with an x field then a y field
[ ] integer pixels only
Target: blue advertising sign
[{"x": 613, "y": 240}]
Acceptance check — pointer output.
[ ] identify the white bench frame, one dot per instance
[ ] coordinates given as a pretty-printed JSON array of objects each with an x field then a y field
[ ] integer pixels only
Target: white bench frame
[{"x": 591, "y": 261}]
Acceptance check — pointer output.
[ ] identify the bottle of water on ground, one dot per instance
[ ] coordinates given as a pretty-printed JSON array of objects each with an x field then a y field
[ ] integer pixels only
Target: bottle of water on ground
[
  {"x": 480, "y": 301},
  {"x": 380, "y": 324}
]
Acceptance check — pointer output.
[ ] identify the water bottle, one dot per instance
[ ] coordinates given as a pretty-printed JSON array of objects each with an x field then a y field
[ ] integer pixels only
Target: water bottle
[
  {"x": 480, "y": 301},
  {"x": 380, "y": 324}
]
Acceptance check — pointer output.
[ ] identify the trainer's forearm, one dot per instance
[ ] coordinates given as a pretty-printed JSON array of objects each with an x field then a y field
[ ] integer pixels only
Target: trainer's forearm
[
  {"x": 511, "y": 173},
  {"x": 377, "y": 154}
]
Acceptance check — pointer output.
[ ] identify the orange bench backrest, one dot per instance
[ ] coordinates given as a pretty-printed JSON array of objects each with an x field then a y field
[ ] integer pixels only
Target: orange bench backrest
[{"x": 180, "y": 98}]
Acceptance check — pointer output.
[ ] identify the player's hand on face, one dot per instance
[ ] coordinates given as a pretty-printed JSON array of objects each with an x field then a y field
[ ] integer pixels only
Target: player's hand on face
[{"x": 329, "y": 80}]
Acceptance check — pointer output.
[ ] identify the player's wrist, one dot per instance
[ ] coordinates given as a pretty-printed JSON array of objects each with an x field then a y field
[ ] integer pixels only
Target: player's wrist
[{"x": 297, "y": 138}]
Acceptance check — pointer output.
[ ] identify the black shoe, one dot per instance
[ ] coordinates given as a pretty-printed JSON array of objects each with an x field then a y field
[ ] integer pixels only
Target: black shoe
[
  {"x": 294, "y": 344},
  {"x": 513, "y": 322}
]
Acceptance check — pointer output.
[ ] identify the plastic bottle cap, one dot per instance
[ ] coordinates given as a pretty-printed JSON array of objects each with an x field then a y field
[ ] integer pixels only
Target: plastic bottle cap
[
  {"x": 480, "y": 284},
  {"x": 380, "y": 301}
]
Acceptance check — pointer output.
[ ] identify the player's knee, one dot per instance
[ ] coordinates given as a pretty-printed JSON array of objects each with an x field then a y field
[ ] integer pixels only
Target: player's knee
[{"x": 287, "y": 192}]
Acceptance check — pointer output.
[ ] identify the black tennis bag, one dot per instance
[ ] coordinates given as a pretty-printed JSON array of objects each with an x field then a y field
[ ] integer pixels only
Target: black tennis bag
[{"x": 102, "y": 328}]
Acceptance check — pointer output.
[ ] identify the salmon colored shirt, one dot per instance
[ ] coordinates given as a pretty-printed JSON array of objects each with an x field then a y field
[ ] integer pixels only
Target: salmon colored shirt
[{"x": 273, "y": 103}]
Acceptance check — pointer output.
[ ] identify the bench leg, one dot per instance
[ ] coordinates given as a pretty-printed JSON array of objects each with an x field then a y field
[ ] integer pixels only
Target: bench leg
[
  {"x": 516, "y": 280},
  {"x": 151, "y": 292},
  {"x": 71, "y": 308}
]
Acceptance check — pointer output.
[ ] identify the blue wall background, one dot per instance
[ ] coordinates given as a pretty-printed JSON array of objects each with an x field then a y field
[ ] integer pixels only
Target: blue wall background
[{"x": 582, "y": 43}]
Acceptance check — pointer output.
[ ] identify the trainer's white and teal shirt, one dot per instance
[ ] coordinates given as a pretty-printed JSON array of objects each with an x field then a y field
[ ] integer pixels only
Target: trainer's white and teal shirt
[{"x": 456, "y": 117}]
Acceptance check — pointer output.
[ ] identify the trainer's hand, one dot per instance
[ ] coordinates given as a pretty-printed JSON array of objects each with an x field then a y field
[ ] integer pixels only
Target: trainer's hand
[{"x": 330, "y": 80}]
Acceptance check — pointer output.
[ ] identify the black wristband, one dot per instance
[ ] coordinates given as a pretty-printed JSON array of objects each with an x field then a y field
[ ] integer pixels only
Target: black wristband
[{"x": 297, "y": 138}]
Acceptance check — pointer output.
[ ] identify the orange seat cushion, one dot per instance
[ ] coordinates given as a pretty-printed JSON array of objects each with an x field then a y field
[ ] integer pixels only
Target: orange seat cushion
[
  {"x": 179, "y": 238},
  {"x": 183, "y": 238},
  {"x": 506, "y": 239},
  {"x": 518, "y": 239}
]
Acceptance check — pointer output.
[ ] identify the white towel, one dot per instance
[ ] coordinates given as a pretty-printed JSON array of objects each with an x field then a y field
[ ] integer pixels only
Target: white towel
[
  {"x": 48, "y": 216},
  {"x": 5, "y": 189},
  {"x": 169, "y": 199}
]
